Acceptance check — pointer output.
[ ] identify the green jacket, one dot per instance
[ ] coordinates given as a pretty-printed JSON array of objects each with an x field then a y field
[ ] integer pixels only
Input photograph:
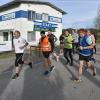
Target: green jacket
[{"x": 68, "y": 41}]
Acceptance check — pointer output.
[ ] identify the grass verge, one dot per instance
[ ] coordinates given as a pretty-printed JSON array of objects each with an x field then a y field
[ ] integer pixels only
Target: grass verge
[{"x": 4, "y": 55}]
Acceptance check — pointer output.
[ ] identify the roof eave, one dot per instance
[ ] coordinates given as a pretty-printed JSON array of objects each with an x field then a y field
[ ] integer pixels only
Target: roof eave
[{"x": 22, "y": 1}]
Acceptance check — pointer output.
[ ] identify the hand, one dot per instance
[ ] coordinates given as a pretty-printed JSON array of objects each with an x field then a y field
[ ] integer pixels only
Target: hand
[{"x": 81, "y": 48}]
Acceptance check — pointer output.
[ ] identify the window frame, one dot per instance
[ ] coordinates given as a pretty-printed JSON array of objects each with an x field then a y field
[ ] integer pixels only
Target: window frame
[{"x": 44, "y": 15}]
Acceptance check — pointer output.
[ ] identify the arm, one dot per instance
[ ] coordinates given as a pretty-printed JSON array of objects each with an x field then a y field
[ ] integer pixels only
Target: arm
[
  {"x": 25, "y": 44},
  {"x": 89, "y": 41},
  {"x": 87, "y": 47}
]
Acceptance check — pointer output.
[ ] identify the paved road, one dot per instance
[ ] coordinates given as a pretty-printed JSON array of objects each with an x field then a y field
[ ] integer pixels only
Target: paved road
[{"x": 58, "y": 85}]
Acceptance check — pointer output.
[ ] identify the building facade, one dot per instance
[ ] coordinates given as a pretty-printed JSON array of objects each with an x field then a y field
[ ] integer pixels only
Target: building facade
[{"x": 29, "y": 17}]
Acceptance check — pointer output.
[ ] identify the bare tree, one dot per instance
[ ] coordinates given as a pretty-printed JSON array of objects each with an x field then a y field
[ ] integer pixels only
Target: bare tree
[{"x": 97, "y": 22}]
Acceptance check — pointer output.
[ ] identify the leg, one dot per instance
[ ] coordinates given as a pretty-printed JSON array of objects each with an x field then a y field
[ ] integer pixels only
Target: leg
[
  {"x": 49, "y": 62},
  {"x": 65, "y": 55},
  {"x": 71, "y": 56},
  {"x": 81, "y": 68},
  {"x": 91, "y": 66},
  {"x": 95, "y": 49},
  {"x": 73, "y": 48},
  {"x": 61, "y": 49},
  {"x": 81, "y": 62},
  {"x": 18, "y": 65},
  {"x": 46, "y": 62}
]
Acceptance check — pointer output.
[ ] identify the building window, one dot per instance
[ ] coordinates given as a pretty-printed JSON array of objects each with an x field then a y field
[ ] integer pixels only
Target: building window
[
  {"x": 31, "y": 36},
  {"x": 38, "y": 16},
  {"x": 45, "y": 17},
  {"x": 31, "y": 15},
  {"x": 5, "y": 36}
]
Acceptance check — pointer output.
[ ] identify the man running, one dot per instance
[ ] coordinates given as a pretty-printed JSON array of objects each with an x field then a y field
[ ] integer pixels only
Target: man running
[
  {"x": 61, "y": 39},
  {"x": 85, "y": 46},
  {"x": 45, "y": 47},
  {"x": 75, "y": 41},
  {"x": 19, "y": 46},
  {"x": 52, "y": 39},
  {"x": 68, "y": 40}
]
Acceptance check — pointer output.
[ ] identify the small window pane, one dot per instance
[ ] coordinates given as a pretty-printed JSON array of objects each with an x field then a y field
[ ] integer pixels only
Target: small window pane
[
  {"x": 38, "y": 16},
  {"x": 5, "y": 36},
  {"x": 45, "y": 17},
  {"x": 31, "y": 15},
  {"x": 31, "y": 36}
]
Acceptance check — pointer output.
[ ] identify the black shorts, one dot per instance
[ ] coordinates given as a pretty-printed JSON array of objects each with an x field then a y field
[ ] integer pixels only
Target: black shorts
[
  {"x": 84, "y": 58},
  {"x": 18, "y": 59},
  {"x": 46, "y": 54}
]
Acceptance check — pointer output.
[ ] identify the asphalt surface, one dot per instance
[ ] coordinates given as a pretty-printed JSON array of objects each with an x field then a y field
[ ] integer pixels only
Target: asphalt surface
[{"x": 58, "y": 85}]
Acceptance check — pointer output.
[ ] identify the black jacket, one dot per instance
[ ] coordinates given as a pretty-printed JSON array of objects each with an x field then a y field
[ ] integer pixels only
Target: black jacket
[{"x": 52, "y": 39}]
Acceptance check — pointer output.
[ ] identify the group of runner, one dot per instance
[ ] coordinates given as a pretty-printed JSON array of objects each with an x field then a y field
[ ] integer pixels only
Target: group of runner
[
  {"x": 81, "y": 42},
  {"x": 46, "y": 46}
]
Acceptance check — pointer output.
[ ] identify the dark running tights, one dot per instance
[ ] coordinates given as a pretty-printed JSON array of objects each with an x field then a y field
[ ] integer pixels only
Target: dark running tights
[{"x": 68, "y": 54}]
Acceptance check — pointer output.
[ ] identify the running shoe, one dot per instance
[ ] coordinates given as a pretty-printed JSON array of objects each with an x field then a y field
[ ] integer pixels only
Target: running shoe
[
  {"x": 46, "y": 73},
  {"x": 66, "y": 62},
  {"x": 52, "y": 68},
  {"x": 71, "y": 64},
  {"x": 78, "y": 81},
  {"x": 15, "y": 76},
  {"x": 30, "y": 64}
]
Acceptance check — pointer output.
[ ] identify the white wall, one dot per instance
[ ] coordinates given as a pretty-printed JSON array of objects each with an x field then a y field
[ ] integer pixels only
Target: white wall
[
  {"x": 23, "y": 25},
  {"x": 44, "y": 9},
  {"x": 41, "y": 9}
]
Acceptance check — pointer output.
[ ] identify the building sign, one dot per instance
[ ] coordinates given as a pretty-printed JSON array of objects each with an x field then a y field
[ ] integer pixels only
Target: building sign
[
  {"x": 55, "y": 19},
  {"x": 43, "y": 26},
  {"x": 13, "y": 15},
  {"x": 8, "y": 16},
  {"x": 24, "y": 14}
]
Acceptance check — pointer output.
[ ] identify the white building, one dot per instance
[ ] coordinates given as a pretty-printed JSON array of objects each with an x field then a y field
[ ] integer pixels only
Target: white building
[{"x": 29, "y": 17}]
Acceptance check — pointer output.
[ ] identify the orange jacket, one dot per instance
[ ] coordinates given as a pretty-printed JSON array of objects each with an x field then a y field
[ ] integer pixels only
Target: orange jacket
[{"x": 45, "y": 45}]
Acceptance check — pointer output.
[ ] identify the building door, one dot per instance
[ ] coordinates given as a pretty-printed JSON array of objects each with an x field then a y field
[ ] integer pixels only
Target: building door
[{"x": 11, "y": 38}]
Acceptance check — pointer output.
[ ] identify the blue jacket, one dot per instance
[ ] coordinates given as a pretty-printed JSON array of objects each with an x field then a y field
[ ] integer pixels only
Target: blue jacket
[{"x": 83, "y": 42}]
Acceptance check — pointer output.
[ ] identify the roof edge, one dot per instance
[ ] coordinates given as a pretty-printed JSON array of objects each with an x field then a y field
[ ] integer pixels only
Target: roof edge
[{"x": 30, "y": 1}]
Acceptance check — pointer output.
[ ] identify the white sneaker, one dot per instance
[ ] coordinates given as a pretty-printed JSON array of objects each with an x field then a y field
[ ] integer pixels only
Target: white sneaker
[{"x": 57, "y": 58}]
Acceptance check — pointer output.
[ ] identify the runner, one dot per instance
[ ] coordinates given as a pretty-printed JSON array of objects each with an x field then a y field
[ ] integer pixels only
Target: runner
[
  {"x": 45, "y": 47},
  {"x": 91, "y": 36},
  {"x": 92, "y": 59},
  {"x": 85, "y": 46},
  {"x": 52, "y": 39},
  {"x": 75, "y": 41},
  {"x": 61, "y": 39},
  {"x": 68, "y": 40},
  {"x": 19, "y": 46}
]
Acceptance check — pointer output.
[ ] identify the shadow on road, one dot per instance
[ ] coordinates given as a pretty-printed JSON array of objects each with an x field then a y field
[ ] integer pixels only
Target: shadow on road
[
  {"x": 85, "y": 73},
  {"x": 63, "y": 61},
  {"x": 39, "y": 87},
  {"x": 5, "y": 78}
]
